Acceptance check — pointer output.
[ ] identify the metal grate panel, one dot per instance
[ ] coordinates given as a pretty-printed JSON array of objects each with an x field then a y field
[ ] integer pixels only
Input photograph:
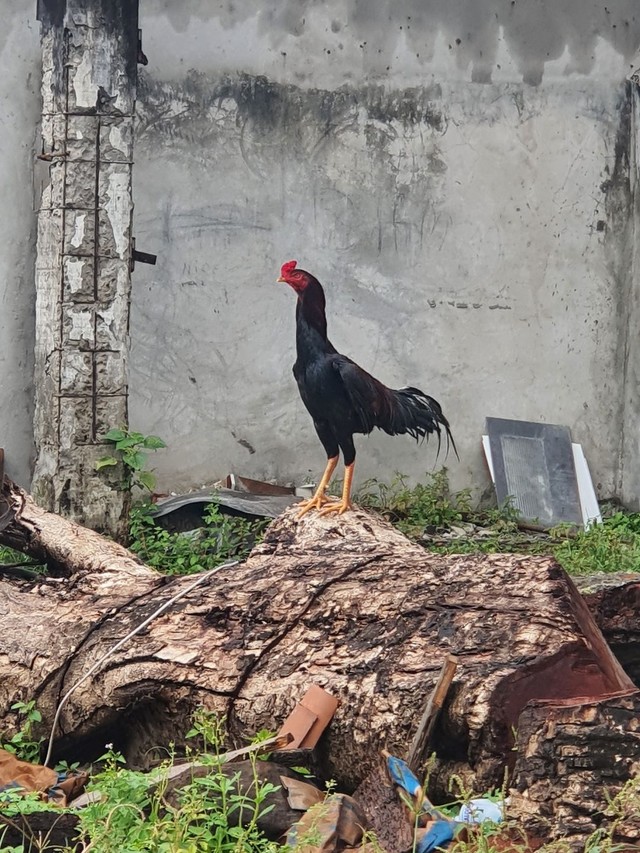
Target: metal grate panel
[{"x": 534, "y": 467}]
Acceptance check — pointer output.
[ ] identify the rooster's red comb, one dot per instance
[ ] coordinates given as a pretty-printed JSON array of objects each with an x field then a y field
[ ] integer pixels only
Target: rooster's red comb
[{"x": 288, "y": 267}]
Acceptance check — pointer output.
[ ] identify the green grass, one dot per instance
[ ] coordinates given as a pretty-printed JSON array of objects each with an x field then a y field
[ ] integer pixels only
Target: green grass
[
  {"x": 429, "y": 511},
  {"x": 412, "y": 508},
  {"x": 613, "y": 546},
  {"x": 441, "y": 520},
  {"x": 209, "y": 814}
]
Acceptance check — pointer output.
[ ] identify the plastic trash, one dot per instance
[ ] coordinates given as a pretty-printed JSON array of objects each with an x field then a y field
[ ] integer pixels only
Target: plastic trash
[{"x": 480, "y": 811}]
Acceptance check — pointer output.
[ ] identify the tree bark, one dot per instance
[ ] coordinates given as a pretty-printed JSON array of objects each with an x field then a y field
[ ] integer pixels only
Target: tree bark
[
  {"x": 614, "y": 601},
  {"x": 571, "y": 755},
  {"x": 347, "y": 603}
]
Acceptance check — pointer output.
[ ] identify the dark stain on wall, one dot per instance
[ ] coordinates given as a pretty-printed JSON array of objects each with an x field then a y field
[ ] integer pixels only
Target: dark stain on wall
[
  {"x": 271, "y": 106},
  {"x": 117, "y": 17},
  {"x": 618, "y": 236},
  {"x": 617, "y": 186},
  {"x": 535, "y": 31},
  {"x": 50, "y": 13}
]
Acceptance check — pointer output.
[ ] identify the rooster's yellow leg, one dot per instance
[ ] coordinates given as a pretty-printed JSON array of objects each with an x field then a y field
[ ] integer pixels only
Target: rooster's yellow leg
[
  {"x": 345, "y": 503},
  {"x": 319, "y": 499}
]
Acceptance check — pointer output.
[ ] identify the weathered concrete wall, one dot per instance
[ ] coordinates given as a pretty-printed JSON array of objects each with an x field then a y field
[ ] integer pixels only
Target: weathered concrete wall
[
  {"x": 457, "y": 175},
  {"x": 19, "y": 95}
]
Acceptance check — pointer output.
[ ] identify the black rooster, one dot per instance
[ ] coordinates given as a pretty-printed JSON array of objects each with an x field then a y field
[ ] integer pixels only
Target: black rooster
[{"x": 342, "y": 398}]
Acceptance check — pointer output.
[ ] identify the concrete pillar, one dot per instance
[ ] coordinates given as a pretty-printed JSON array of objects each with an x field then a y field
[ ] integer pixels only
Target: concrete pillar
[
  {"x": 83, "y": 266},
  {"x": 630, "y": 439}
]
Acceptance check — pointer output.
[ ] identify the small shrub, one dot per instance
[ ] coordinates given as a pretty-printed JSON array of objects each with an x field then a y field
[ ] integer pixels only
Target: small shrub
[
  {"x": 9, "y": 557},
  {"x": 613, "y": 546},
  {"x": 432, "y": 508},
  {"x": 23, "y": 744},
  {"x": 212, "y": 815},
  {"x": 127, "y": 449},
  {"x": 414, "y": 508},
  {"x": 223, "y": 537}
]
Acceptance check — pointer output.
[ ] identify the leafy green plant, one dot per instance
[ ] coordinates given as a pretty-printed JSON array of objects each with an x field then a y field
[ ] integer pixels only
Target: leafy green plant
[
  {"x": 210, "y": 813},
  {"x": 428, "y": 511},
  {"x": 627, "y": 522},
  {"x": 24, "y": 744},
  {"x": 128, "y": 449},
  {"x": 413, "y": 508},
  {"x": 222, "y": 537},
  {"x": 8, "y": 556},
  {"x": 613, "y": 546},
  {"x": 15, "y": 803},
  {"x": 208, "y": 728},
  {"x": 20, "y": 565}
]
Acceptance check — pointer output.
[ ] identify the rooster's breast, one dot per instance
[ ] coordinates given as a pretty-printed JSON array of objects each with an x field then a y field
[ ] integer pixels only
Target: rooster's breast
[{"x": 323, "y": 393}]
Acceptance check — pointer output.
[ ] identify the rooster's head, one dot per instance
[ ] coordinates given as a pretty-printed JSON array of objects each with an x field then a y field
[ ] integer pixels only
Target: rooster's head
[{"x": 295, "y": 278}]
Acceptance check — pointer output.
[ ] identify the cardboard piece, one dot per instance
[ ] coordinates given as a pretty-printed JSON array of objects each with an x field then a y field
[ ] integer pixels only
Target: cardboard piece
[
  {"x": 309, "y": 718},
  {"x": 22, "y": 774},
  {"x": 301, "y": 795}
]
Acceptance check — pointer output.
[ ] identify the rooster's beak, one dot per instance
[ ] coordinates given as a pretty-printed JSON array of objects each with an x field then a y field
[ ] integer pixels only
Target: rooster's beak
[{"x": 281, "y": 279}]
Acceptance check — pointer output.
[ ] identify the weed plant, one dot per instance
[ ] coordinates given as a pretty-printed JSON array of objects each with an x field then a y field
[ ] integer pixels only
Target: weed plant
[
  {"x": 223, "y": 537},
  {"x": 211, "y": 814},
  {"x": 431, "y": 508},
  {"x": 24, "y": 744}
]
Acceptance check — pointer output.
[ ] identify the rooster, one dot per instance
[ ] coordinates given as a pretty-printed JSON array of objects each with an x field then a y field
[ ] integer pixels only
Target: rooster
[{"x": 344, "y": 399}]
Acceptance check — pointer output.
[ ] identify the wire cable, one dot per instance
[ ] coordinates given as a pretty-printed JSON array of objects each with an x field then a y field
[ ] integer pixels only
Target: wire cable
[{"x": 96, "y": 666}]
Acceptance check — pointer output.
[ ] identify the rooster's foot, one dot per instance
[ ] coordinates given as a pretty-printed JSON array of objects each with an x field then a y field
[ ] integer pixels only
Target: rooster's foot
[
  {"x": 340, "y": 508},
  {"x": 316, "y": 502}
]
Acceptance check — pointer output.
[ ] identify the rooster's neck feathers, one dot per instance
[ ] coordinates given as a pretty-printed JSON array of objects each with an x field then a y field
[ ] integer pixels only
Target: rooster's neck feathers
[{"x": 311, "y": 321}]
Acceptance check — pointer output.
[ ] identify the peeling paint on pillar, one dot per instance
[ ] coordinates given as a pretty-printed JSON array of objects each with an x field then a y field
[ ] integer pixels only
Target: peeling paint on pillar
[{"x": 84, "y": 245}]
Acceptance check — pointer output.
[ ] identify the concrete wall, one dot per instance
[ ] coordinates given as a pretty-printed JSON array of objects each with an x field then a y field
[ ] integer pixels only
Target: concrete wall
[
  {"x": 20, "y": 99},
  {"x": 457, "y": 175}
]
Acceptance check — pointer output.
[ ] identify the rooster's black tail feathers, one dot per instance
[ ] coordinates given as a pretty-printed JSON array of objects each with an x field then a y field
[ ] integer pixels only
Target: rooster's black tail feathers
[{"x": 419, "y": 415}]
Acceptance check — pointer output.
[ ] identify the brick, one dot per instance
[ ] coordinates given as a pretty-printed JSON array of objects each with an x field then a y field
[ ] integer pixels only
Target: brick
[
  {"x": 52, "y": 179},
  {"x": 48, "y": 311},
  {"x": 78, "y": 326},
  {"x": 82, "y": 137},
  {"x": 111, "y": 412},
  {"x": 115, "y": 209},
  {"x": 76, "y": 421},
  {"x": 116, "y": 139},
  {"x": 53, "y": 129},
  {"x": 112, "y": 324},
  {"x": 80, "y": 185},
  {"x": 113, "y": 278},
  {"x": 49, "y": 241},
  {"x": 111, "y": 373}
]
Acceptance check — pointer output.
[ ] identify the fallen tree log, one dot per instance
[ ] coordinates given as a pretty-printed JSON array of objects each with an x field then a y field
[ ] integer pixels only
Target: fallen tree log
[
  {"x": 573, "y": 758},
  {"x": 614, "y": 601},
  {"x": 348, "y": 603}
]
